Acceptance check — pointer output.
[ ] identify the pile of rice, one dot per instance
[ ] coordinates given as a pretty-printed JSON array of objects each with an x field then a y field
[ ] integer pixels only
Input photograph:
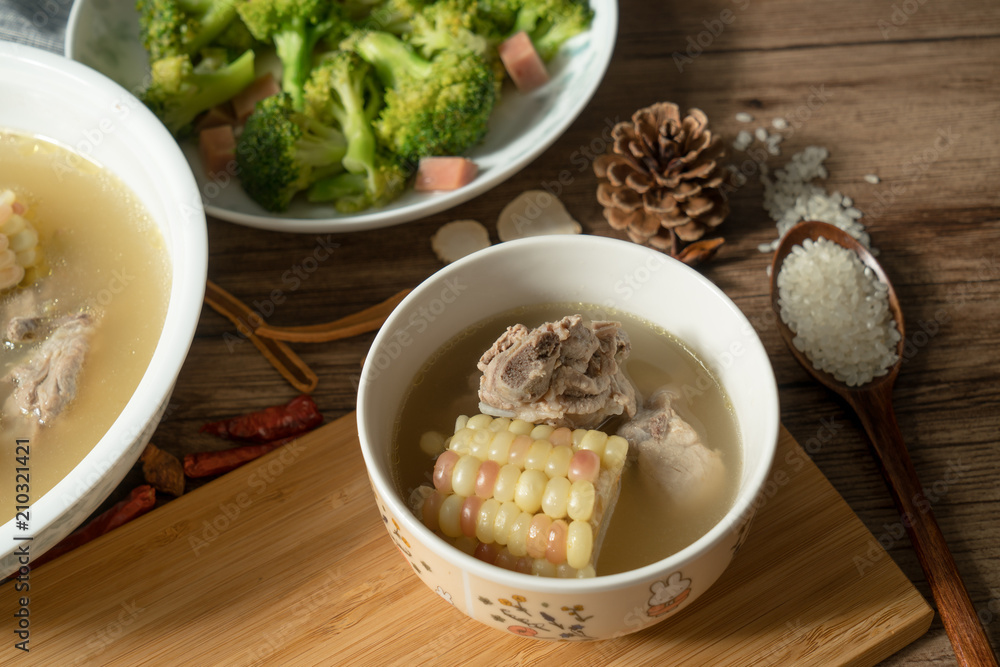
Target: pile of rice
[
  {"x": 790, "y": 197},
  {"x": 839, "y": 311}
]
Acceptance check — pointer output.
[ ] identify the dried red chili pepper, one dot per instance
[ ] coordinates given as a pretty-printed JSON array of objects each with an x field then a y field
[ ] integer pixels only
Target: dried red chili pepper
[
  {"x": 139, "y": 501},
  {"x": 206, "y": 464},
  {"x": 280, "y": 421}
]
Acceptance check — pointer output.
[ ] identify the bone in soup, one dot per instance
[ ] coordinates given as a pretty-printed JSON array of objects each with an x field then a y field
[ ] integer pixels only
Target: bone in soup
[
  {"x": 578, "y": 445},
  {"x": 84, "y": 286}
]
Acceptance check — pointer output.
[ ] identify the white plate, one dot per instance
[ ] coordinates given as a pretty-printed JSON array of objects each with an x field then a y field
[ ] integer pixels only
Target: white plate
[{"x": 104, "y": 35}]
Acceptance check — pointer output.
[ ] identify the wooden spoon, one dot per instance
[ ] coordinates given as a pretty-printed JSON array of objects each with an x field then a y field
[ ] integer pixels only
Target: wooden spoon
[
  {"x": 360, "y": 322},
  {"x": 873, "y": 404}
]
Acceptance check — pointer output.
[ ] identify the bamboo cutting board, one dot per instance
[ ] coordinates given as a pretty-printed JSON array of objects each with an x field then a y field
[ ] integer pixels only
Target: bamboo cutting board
[{"x": 286, "y": 561}]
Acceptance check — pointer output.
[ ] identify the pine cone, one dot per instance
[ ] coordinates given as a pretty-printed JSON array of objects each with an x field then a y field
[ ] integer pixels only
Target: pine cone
[{"x": 663, "y": 176}]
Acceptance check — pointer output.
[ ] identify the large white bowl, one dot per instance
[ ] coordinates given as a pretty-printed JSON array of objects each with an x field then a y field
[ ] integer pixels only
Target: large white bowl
[
  {"x": 559, "y": 269},
  {"x": 72, "y": 105},
  {"x": 104, "y": 35}
]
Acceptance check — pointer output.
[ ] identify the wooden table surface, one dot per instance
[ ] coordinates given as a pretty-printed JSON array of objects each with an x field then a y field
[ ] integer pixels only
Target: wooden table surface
[{"x": 905, "y": 89}]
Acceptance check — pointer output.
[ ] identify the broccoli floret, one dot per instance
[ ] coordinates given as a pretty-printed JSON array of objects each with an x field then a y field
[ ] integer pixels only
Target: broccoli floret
[
  {"x": 178, "y": 90},
  {"x": 295, "y": 27},
  {"x": 432, "y": 107},
  {"x": 182, "y": 27},
  {"x": 549, "y": 23},
  {"x": 342, "y": 90},
  {"x": 236, "y": 38},
  {"x": 386, "y": 15},
  {"x": 282, "y": 151},
  {"x": 455, "y": 25}
]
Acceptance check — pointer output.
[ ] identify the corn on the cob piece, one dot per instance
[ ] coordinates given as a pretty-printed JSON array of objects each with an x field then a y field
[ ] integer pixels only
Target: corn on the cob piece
[
  {"x": 532, "y": 497},
  {"x": 19, "y": 249}
]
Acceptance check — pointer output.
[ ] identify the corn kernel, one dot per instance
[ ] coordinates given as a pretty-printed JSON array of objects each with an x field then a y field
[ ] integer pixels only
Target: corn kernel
[
  {"x": 556, "y": 497},
  {"x": 530, "y": 487},
  {"x": 519, "y": 450},
  {"x": 499, "y": 424},
  {"x": 487, "y": 552},
  {"x": 463, "y": 477},
  {"x": 555, "y": 549},
  {"x": 479, "y": 444},
  {"x": 557, "y": 465},
  {"x": 578, "y": 436},
  {"x": 585, "y": 465},
  {"x": 594, "y": 441},
  {"x": 466, "y": 544},
  {"x": 486, "y": 479},
  {"x": 581, "y": 501},
  {"x": 565, "y": 571},
  {"x": 543, "y": 568},
  {"x": 506, "y": 484},
  {"x": 500, "y": 447},
  {"x": 538, "y": 454},
  {"x": 541, "y": 432},
  {"x": 517, "y": 538},
  {"x": 460, "y": 441},
  {"x": 506, "y": 560},
  {"x": 461, "y": 422},
  {"x": 503, "y": 523},
  {"x": 432, "y": 443},
  {"x": 520, "y": 427},
  {"x": 615, "y": 452},
  {"x": 538, "y": 535},
  {"x": 479, "y": 421},
  {"x": 561, "y": 436},
  {"x": 450, "y": 515},
  {"x": 444, "y": 467},
  {"x": 470, "y": 515},
  {"x": 579, "y": 544},
  {"x": 487, "y": 520},
  {"x": 431, "y": 509}
]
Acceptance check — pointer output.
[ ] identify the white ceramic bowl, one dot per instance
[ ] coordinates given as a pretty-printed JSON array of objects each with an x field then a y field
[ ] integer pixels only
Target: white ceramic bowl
[
  {"x": 104, "y": 35},
  {"x": 69, "y": 104},
  {"x": 553, "y": 269}
]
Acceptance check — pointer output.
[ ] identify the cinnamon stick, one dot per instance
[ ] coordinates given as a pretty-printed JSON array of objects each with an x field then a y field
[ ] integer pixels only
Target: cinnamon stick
[{"x": 360, "y": 322}]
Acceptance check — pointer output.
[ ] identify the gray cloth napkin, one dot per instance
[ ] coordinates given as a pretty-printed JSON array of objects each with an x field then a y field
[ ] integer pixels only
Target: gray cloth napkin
[{"x": 40, "y": 23}]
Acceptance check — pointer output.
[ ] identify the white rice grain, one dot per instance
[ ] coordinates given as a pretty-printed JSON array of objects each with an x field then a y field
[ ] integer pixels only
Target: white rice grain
[
  {"x": 743, "y": 140},
  {"x": 873, "y": 179},
  {"x": 790, "y": 197},
  {"x": 744, "y": 117},
  {"x": 839, "y": 312}
]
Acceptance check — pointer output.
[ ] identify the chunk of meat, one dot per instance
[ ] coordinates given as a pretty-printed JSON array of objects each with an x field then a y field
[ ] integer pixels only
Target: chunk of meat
[
  {"x": 565, "y": 373},
  {"x": 444, "y": 173},
  {"x": 217, "y": 146},
  {"x": 522, "y": 62},
  {"x": 246, "y": 100},
  {"x": 46, "y": 383},
  {"x": 220, "y": 114},
  {"x": 24, "y": 329},
  {"x": 670, "y": 453}
]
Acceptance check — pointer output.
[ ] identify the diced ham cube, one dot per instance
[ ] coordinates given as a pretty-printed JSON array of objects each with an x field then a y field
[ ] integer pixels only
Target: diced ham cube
[
  {"x": 444, "y": 173},
  {"x": 218, "y": 149},
  {"x": 522, "y": 62},
  {"x": 221, "y": 114},
  {"x": 246, "y": 100}
]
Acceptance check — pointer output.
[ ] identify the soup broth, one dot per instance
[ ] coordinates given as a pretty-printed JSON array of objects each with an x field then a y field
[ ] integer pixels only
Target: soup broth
[
  {"x": 646, "y": 526},
  {"x": 104, "y": 256}
]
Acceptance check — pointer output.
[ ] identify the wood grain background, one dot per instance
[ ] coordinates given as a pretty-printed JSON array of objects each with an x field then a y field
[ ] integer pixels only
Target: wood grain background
[{"x": 905, "y": 89}]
